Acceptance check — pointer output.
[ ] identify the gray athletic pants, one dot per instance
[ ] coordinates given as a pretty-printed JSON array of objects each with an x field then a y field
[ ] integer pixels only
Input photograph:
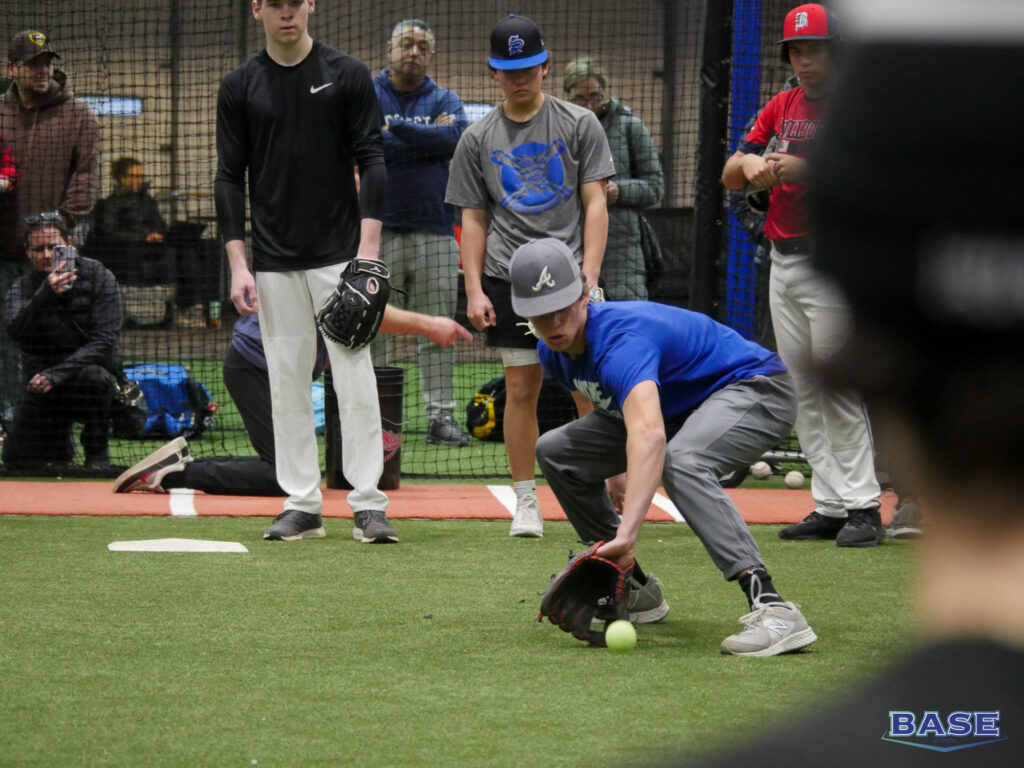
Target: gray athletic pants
[
  {"x": 732, "y": 428},
  {"x": 426, "y": 266}
]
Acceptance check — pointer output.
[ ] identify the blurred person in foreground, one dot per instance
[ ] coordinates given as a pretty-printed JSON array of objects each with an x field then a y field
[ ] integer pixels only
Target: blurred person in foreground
[{"x": 935, "y": 285}]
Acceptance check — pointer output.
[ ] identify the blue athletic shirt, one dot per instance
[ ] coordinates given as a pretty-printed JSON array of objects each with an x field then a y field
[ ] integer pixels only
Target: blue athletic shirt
[{"x": 687, "y": 354}]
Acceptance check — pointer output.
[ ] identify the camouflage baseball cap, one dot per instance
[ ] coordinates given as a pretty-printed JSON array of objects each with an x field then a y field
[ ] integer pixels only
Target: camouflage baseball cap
[{"x": 26, "y": 45}]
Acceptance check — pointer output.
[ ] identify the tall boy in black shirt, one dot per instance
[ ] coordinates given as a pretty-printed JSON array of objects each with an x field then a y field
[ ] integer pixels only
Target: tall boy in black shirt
[{"x": 297, "y": 117}]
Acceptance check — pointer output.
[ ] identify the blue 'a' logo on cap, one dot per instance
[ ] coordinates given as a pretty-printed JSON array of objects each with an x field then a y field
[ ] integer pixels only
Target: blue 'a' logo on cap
[{"x": 515, "y": 45}]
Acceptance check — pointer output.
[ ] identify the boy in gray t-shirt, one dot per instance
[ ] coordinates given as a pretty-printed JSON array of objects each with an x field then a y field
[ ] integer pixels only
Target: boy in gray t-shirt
[{"x": 534, "y": 166}]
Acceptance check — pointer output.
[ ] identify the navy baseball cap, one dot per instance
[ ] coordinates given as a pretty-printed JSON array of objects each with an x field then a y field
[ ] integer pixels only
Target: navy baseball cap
[
  {"x": 516, "y": 44},
  {"x": 810, "y": 22},
  {"x": 545, "y": 277}
]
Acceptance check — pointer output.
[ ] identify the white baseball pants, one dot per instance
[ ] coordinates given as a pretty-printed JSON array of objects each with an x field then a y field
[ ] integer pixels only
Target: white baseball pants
[
  {"x": 811, "y": 321},
  {"x": 288, "y": 304}
]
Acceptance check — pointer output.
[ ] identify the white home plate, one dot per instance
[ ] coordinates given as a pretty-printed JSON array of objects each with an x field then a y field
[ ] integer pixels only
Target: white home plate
[{"x": 176, "y": 545}]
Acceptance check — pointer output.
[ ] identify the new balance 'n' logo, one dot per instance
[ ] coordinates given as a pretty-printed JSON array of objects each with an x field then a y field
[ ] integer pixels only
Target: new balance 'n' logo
[
  {"x": 544, "y": 281},
  {"x": 778, "y": 627},
  {"x": 318, "y": 88}
]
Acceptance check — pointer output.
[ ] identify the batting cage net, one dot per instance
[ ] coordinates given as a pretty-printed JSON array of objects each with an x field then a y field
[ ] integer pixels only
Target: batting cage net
[{"x": 119, "y": 137}]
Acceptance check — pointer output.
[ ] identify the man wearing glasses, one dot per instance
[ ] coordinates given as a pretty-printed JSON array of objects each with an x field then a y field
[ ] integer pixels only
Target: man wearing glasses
[{"x": 65, "y": 317}]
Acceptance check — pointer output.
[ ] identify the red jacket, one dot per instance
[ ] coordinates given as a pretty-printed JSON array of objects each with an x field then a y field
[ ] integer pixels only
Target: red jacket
[{"x": 8, "y": 170}]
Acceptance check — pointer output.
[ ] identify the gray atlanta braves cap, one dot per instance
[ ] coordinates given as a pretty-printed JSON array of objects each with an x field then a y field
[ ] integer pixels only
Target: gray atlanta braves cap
[{"x": 545, "y": 277}]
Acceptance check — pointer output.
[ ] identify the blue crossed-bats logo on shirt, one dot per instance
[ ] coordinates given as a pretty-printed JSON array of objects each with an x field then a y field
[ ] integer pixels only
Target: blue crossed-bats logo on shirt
[{"x": 532, "y": 175}]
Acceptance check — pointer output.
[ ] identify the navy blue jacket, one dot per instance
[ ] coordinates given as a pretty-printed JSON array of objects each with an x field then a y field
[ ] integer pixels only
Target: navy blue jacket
[{"x": 417, "y": 153}]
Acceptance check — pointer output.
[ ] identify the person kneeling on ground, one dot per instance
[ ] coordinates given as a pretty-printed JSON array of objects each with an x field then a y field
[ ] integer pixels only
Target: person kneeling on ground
[
  {"x": 245, "y": 376},
  {"x": 679, "y": 398}
]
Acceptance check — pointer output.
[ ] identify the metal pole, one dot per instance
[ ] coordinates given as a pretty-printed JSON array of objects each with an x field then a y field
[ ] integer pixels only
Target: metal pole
[
  {"x": 711, "y": 146},
  {"x": 669, "y": 98},
  {"x": 175, "y": 128}
]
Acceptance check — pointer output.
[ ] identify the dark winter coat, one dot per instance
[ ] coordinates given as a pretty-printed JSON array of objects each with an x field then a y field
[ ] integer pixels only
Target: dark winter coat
[
  {"x": 641, "y": 184},
  {"x": 127, "y": 217},
  {"x": 61, "y": 333}
]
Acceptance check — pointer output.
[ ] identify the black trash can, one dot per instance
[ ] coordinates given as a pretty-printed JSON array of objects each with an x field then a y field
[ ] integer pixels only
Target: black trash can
[{"x": 390, "y": 384}]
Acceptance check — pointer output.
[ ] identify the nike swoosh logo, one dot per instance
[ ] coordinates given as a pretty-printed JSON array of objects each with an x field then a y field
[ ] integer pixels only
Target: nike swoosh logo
[{"x": 318, "y": 88}]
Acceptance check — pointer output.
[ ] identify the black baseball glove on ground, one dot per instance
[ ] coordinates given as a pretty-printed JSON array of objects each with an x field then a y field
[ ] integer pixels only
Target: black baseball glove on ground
[
  {"x": 353, "y": 313},
  {"x": 588, "y": 589}
]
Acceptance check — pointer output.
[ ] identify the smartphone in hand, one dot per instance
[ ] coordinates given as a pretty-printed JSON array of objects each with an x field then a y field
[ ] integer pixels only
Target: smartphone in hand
[{"x": 65, "y": 258}]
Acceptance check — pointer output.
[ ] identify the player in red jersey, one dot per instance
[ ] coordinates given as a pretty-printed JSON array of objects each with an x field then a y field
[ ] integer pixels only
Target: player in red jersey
[{"x": 810, "y": 317}]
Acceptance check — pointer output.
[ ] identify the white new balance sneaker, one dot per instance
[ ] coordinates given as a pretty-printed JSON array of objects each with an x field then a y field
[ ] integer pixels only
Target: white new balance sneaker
[
  {"x": 770, "y": 629},
  {"x": 527, "y": 522}
]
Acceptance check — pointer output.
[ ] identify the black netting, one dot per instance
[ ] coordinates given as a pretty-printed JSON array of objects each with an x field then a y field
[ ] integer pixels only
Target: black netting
[{"x": 150, "y": 71}]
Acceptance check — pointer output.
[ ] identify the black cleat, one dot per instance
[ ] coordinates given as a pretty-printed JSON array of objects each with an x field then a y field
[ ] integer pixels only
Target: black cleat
[
  {"x": 814, "y": 527},
  {"x": 863, "y": 529}
]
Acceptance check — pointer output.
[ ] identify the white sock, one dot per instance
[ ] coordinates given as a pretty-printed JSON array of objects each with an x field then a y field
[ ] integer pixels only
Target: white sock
[{"x": 524, "y": 487}]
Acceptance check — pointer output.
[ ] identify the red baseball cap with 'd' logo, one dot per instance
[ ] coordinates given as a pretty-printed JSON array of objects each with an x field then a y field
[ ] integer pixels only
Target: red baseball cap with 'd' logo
[{"x": 810, "y": 22}]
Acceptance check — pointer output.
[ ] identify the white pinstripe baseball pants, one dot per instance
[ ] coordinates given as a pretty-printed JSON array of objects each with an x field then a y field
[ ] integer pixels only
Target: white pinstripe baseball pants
[{"x": 811, "y": 321}]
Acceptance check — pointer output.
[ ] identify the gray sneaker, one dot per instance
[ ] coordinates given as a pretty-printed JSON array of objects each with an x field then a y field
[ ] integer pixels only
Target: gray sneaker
[
  {"x": 149, "y": 473},
  {"x": 444, "y": 430},
  {"x": 646, "y": 603},
  {"x": 371, "y": 526},
  {"x": 770, "y": 629},
  {"x": 906, "y": 520},
  {"x": 527, "y": 522},
  {"x": 293, "y": 525}
]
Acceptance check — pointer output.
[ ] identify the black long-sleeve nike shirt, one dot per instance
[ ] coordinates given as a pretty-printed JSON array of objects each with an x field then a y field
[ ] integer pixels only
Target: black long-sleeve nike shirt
[{"x": 298, "y": 131}]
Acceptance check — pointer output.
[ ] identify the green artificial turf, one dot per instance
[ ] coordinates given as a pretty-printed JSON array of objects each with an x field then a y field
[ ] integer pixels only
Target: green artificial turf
[{"x": 333, "y": 652}]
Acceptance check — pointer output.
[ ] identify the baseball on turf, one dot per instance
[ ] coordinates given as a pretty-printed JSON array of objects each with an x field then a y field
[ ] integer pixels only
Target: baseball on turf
[
  {"x": 761, "y": 470},
  {"x": 795, "y": 479},
  {"x": 620, "y": 637}
]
